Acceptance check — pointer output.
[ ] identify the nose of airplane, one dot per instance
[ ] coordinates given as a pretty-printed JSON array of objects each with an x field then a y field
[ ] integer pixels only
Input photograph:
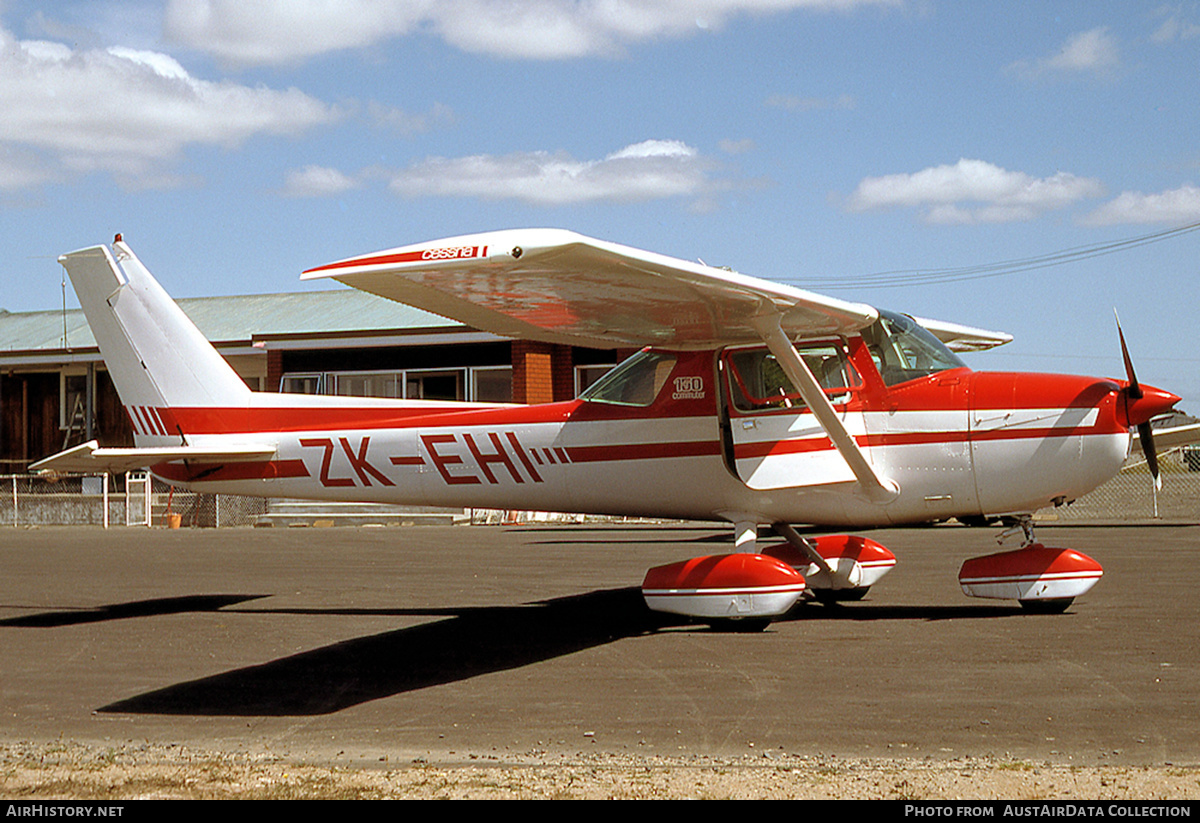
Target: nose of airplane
[{"x": 1139, "y": 404}]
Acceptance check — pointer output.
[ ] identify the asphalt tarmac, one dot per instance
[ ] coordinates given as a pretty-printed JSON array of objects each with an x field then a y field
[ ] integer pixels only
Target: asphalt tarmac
[{"x": 370, "y": 645}]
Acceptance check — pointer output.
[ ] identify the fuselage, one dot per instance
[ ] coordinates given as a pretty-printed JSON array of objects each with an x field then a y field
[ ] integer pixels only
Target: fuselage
[{"x": 691, "y": 434}]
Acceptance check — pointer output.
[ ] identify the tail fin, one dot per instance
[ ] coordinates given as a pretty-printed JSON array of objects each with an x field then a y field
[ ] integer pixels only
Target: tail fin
[{"x": 155, "y": 355}]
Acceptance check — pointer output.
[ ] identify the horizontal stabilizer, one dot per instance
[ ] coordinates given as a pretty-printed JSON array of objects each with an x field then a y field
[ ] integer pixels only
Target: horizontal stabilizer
[{"x": 89, "y": 458}]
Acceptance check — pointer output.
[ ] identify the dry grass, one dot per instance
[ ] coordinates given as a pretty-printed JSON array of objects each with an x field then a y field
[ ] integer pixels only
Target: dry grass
[{"x": 72, "y": 772}]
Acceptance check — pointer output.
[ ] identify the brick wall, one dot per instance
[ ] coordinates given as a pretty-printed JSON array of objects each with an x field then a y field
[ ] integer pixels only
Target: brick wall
[{"x": 542, "y": 372}]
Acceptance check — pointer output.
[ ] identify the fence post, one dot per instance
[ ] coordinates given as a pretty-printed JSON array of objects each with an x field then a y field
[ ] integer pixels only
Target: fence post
[{"x": 104, "y": 495}]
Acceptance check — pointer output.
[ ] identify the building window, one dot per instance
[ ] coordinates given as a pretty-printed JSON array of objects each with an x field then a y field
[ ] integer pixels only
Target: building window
[
  {"x": 367, "y": 384},
  {"x": 440, "y": 384},
  {"x": 491, "y": 384},
  {"x": 302, "y": 384},
  {"x": 482, "y": 384},
  {"x": 72, "y": 401}
]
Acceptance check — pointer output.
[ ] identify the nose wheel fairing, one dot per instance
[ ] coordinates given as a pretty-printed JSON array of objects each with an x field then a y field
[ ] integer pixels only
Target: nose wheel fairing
[{"x": 1034, "y": 574}]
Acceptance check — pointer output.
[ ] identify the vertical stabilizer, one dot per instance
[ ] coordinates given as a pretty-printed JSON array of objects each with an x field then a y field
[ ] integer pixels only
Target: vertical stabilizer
[{"x": 156, "y": 356}]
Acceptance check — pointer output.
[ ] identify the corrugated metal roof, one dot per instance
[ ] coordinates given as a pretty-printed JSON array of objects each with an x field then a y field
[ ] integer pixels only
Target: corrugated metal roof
[{"x": 235, "y": 318}]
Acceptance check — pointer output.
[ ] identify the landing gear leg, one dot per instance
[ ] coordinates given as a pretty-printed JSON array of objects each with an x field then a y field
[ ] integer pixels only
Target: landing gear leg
[
  {"x": 840, "y": 568},
  {"x": 745, "y": 537},
  {"x": 1022, "y": 523}
]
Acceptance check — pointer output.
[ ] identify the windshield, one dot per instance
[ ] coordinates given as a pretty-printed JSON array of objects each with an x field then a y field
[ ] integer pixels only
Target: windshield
[
  {"x": 636, "y": 382},
  {"x": 903, "y": 350}
]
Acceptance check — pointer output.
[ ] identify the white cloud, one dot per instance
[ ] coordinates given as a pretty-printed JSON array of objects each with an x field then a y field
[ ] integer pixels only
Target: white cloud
[
  {"x": 317, "y": 181},
  {"x": 1181, "y": 205},
  {"x": 265, "y": 32},
  {"x": 649, "y": 170},
  {"x": 1086, "y": 51},
  {"x": 1092, "y": 51},
  {"x": 21, "y": 169},
  {"x": 129, "y": 112},
  {"x": 655, "y": 148},
  {"x": 972, "y": 191},
  {"x": 1173, "y": 29}
]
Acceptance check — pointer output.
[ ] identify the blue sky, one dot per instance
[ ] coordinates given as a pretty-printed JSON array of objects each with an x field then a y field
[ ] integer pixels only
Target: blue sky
[{"x": 816, "y": 142}]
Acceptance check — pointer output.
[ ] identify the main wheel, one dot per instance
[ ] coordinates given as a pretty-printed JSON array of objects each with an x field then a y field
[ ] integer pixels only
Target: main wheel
[
  {"x": 833, "y": 596},
  {"x": 740, "y": 624},
  {"x": 1056, "y": 605}
]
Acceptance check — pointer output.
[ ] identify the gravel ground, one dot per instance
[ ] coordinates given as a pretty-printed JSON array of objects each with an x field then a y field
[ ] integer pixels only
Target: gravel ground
[{"x": 75, "y": 772}]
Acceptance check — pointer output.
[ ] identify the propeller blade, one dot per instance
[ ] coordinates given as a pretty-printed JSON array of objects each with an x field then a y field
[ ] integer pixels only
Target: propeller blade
[
  {"x": 1146, "y": 439},
  {"x": 1135, "y": 390}
]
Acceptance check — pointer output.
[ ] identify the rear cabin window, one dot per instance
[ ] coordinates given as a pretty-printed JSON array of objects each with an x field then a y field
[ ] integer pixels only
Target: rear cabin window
[
  {"x": 757, "y": 381},
  {"x": 636, "y": 382}
]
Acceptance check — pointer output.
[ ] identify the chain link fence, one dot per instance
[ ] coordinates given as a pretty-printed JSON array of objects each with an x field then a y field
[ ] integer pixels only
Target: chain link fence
[
  {"x": 133, "y": 499},
  {"x": 138, "y": 499},
  {"x": 1131, "y": 495}
]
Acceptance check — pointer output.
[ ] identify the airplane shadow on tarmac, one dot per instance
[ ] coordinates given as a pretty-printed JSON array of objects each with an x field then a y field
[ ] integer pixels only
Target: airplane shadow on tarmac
[
  {"x": 123, "y": 611},
  {"x": 469, "y": 642}
]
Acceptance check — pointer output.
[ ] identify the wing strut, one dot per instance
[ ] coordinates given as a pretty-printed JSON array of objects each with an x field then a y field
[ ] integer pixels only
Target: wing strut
[{"x": 878, "y": 489}]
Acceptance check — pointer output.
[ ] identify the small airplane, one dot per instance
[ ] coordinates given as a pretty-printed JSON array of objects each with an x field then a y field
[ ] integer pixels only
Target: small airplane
[{"x": 747, "y": 401}]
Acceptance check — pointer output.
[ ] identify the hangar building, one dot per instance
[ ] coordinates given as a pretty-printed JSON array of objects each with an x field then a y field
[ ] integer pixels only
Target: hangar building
[{"x": 56, "y": 393}]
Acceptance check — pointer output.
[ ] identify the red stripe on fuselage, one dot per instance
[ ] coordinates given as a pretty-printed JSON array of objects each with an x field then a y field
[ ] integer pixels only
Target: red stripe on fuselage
[
  {"x": 643, "y": 451},
  {"x": 265, "y": 420},
  {"x": 241, "y": 420}
]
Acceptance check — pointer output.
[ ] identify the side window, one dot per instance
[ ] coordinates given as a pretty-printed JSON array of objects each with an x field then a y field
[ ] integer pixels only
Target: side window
[{"x": 757, "y": 381}]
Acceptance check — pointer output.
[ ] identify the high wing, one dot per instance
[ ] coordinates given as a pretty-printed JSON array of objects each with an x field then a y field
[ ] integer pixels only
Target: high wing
[
  {"x": 560, "y": 287},
  {"x": 89, "y": 458},
  {"x": 557, "y": 286}
]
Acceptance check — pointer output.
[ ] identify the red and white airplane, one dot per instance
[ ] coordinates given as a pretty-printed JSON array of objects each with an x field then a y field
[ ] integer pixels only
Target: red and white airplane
[{"x": 750, "y": 402}]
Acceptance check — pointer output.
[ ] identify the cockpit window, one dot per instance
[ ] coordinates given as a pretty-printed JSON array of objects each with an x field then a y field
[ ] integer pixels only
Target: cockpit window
[
  {"x": 903, "y": 350},
  {"x": 636, "y": 382},
  {"x": 758, "y": 383}
]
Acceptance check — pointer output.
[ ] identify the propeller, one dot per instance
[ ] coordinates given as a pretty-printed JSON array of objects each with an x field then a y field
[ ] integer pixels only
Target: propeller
[{"x": 1140, "y": 417}]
